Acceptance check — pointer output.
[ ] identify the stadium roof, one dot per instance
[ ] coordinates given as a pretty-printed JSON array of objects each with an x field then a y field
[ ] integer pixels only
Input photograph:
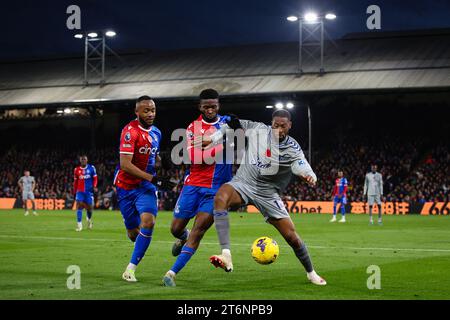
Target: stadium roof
[{"x": 364, "y": 61}]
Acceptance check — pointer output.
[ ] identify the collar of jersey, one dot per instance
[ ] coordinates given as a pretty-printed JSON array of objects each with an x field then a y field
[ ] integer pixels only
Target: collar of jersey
[
  {"x": 143, "y": 129},
  {"x": 210, "y": 123}
]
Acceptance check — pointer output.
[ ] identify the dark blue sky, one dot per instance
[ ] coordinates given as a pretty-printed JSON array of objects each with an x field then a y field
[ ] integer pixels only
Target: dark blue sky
[{"x": 38, "y": 28}]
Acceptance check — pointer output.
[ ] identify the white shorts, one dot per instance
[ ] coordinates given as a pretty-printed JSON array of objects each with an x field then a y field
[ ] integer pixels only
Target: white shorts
[
  {"x": 270, "y": 206},
  {"x": 374, "y": 199},
  {"x": 27, "y": 195}
]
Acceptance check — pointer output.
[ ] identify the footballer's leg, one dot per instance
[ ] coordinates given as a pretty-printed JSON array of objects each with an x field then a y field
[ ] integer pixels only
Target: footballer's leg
[
  {"x": 25, "y": 205},
  {"x": 203, "y": 221},
  {"x": 146, "y": 206},
  {"x": 343, "y": 202},
  {"x": 89, "y": 208},
  {"x": 141, "y": 236},
  {"x": 185, "y": 209},
  {"x": 79, "y": 215},
  {"x": 287, "y": 229},
  {"x": 33, "y": 206},
  {"x": 370, "y": 203},
  {"x": 226, "y": 197},
  {"x": 179, "y": 231},
  {"x": 334, "y": 210},
  {"x": 380, "y": 212},
  {"x": 132, "y": 234}
]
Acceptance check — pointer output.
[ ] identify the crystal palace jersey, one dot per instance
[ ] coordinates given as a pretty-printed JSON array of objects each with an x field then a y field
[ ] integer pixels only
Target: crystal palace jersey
[
  {"x": 143, "y": 144},
  {"x": 340, "y": 187},
  {"x": 84, "y": 179},
  {"x": 204, "y": 173}
]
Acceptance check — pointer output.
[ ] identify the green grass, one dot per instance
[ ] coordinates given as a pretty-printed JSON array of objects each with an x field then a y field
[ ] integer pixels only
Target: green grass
[{"x": 413, "y": 253}]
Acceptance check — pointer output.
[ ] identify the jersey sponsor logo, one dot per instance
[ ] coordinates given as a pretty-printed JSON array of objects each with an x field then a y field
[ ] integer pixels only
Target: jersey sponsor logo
[
  {"x": 85, "y": 176},
  {"x": 127, "y": 136},
  {"x": 258, "y": 163},
  {"x": 147, "y": 150}
]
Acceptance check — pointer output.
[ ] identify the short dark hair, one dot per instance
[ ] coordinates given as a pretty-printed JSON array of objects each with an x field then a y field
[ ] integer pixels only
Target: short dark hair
[
  {"x": 83, "y": 155},
  {"x": 142, "y": 98},
  {"x": 209, "y": 94},
  {"x": 281, "y": 113}
]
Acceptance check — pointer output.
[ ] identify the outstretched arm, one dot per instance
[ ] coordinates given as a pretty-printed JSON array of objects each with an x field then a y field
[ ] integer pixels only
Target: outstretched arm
[{"x": 300, "y": 167}]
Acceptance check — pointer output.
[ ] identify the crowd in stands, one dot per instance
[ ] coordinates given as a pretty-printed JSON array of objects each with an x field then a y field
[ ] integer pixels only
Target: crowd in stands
[{"x": 412, "y": 172}]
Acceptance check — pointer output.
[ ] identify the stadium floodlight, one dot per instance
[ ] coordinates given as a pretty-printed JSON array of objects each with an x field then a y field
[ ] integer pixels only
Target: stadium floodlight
[
  {"x": 67, "y": 111},
  {"x": 279, "y": 105},
  {"x": 311, "y": 17},
  {"x": 292, "y": 18},
  {"x": 59, "y": 111},
  {"x": 76, "y": 110},
  {"x": 110, "y": 33},
  {"x": 289, "y": 105},
  {"x": 269, "y": 107},
  {"x": 330, "y": 16},
  {"x": 95, "y": 48}
]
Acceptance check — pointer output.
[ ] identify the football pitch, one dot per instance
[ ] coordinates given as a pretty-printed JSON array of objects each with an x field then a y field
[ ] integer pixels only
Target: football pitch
[{"x": 412, "y": 252}]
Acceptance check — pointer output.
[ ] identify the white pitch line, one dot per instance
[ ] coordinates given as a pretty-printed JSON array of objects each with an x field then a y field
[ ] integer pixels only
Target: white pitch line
[{"x": 234, "y": 244}]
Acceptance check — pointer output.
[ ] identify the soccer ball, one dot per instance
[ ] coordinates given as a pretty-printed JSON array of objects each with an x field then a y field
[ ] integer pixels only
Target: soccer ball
[{"x": 265, "y": 250}]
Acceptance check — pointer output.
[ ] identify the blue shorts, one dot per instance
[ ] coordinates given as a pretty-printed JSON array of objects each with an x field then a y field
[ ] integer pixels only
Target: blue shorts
[
  {"x": 193, "y": 200},
  {"x": 342, "y": 200},
  {"x": 133, "y": 203},
  {"x": 86, "y": 197}
]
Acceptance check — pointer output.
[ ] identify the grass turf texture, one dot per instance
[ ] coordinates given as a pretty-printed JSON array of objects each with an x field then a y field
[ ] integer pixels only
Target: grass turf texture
[{"x": 413, "y": 253}]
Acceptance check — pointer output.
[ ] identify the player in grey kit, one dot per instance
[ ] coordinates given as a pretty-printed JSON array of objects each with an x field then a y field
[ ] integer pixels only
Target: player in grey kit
[
  {"x": 27, "y": 185},
  {"x": 373, "y": 188},
  {"x": 270, "y": 159}
]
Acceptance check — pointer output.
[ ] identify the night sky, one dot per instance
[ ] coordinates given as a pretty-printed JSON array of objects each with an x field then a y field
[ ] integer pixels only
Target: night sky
[{"x": 38, "y": 28}]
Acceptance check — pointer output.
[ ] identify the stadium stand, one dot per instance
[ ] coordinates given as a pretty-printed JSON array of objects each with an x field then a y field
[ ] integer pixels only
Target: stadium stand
[{"x": 374, "y": 61}]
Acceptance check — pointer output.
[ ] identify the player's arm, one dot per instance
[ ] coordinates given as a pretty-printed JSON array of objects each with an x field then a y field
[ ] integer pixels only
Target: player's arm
[
  {"x": 20, "y": 183},
  {"x": 198, "y": 154},
  {"x": 127, "y": 166},
  {"x": 381, "y": 184},
  {"x": 300, "y": 167},
  {"x": 344, "y": 191},
  {"x": 233, "y": 124},
  {"x": 158, "y": 162},
  {"x": 95, "y": 179},
  {"x": 33, "y": 185},
  {"x": 366, "y": 185},
  {"x": 75, "y": 181},
  {"x": 128, "y": 140}
]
